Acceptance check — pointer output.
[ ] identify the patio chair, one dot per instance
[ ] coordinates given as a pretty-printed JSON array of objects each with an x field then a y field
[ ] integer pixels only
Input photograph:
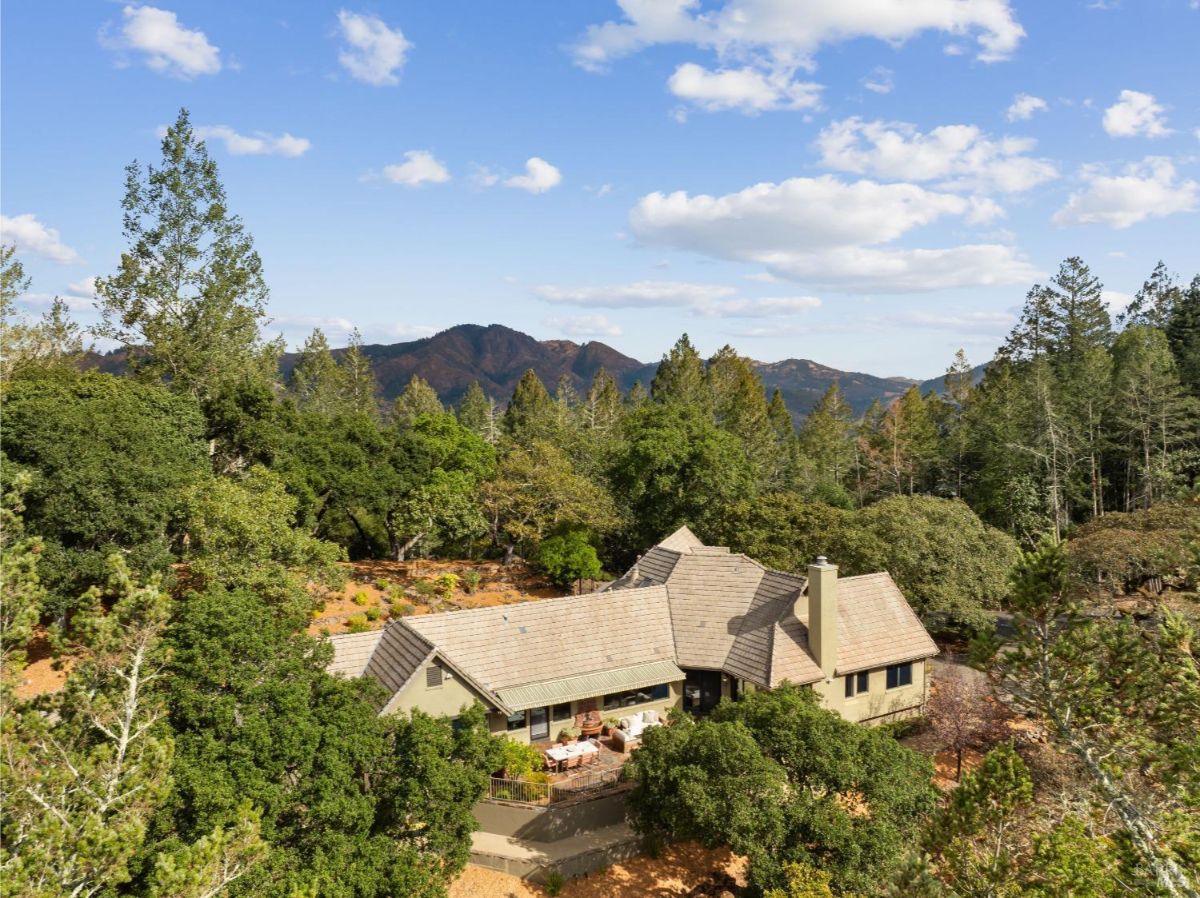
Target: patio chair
[{"x": 573, "y": 761}]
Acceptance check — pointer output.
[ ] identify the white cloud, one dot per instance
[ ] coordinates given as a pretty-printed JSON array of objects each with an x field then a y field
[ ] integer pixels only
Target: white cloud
[
  {"x": 31, "y": 236},
  {"x": 83, "y": 289},
  {"x": 539, "y": 176},
  {"x": 1115, "y": 300},
  {"x": 639, "y": 294},
  {"x": 296, "y": 329},
  {"x": 1024, "y": 106},
  {"x": 585, "y": 326},
  {"x": 745, "y": 89},
  {"x": 880, "y": 81},
  {"x": 166, "y": 45},
  {"x": 482, "y": 176},
  {"x": 1136, "y": 113},
  {"x": 957, "y": 157},
  {"x": 258, "y": 144},
  {"x": 998, "y": 323},
  {"x": 374, "y": 53},
  {"x": 419, "y": 167},
  {"x": 789, "y": 32},
  {"x": 1146, "y": 189},
  {"x": 824, "y": 232},
  {"x": 705, "y": 300},
  {"x": 761, "y": 307}
]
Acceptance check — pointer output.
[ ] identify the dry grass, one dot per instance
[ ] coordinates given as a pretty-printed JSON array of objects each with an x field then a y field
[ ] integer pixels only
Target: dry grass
[{"x": 681, "y": 870}]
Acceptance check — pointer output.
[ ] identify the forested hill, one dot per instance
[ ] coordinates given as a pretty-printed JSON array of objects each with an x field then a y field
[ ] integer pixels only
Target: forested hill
[{"x": 497, "y": 356}]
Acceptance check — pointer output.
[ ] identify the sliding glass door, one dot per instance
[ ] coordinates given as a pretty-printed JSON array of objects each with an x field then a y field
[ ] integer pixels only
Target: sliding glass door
[{"x": 539, "y": 724}]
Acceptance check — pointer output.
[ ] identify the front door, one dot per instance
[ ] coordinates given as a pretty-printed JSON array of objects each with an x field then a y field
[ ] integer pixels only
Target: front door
[{"x": 539, "y": 724}]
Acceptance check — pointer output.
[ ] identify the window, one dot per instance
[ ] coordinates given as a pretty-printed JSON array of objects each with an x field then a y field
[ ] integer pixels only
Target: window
[
  {"x": 539, "y": 724},
  {"x": 562, "y": 712},
  {"x": 433, "y": 676},
  {"x": 516, "y": 721},
  {"x": 617, "y": 700},
  {"x": 899, "y": 675},
  {"x": 857, "y": 684}
]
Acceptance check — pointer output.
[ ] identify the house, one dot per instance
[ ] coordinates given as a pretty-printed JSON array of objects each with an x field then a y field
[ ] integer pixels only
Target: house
[{"x": 686, "y": 626}]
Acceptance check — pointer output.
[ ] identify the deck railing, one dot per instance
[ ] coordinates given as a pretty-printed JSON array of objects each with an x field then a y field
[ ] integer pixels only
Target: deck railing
[{"x": 549, "y": 793}]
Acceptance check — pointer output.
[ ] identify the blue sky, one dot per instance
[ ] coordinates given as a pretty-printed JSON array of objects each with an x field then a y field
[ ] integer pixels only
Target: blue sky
[{"x": 869, "y": 183}]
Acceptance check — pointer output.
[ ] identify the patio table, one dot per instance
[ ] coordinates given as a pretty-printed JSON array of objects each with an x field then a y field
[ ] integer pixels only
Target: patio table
[{"x": 559, "y": 754}]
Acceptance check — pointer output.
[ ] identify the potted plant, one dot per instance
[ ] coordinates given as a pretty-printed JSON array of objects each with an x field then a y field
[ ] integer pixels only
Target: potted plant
[
  {"x": 610, "y": 724},
  {"x": 567, "y": 735}
]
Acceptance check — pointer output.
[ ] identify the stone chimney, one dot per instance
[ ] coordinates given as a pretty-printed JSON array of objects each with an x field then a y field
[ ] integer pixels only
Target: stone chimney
[{"x": 823, "y": 614}]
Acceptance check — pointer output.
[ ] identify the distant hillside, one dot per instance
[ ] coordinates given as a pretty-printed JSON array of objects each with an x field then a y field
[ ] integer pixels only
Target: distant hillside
[{"x": 497, "y": 356}]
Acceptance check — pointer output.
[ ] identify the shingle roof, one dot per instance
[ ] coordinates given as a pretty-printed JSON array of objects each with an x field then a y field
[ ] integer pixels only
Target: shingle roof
[
  {"x": 572, "y": 688},
  {"x": 682, "y": 604},
  {"x": 876, "y": 625},
  {"x": 351, "y": 651},
  {"x": 533, "y": 642}
]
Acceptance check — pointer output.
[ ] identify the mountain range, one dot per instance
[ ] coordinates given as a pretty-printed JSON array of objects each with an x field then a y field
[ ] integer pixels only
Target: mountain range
[{"x": 497, "y": 356}]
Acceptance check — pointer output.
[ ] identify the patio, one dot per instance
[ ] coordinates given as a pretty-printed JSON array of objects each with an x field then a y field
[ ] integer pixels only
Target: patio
[{"x": 608, "y": 758}]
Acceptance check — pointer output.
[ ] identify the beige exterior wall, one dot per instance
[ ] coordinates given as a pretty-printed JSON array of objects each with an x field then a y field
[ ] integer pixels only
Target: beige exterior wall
[
  {"x": 878, "y": 701},
  {"x": 446, "y": 700},
  {"x": 497, "y": 721}
]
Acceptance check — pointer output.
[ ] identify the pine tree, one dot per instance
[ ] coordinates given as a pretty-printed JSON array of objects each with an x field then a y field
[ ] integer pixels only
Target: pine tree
[
  {"x": 1078, "y": 319},
  {"x": 1183, "y": 336},
  {"x": 602, "y": 405},
  {"x": 958, "y": 386},
  {"x": 188, "y": 299},
  {"x": 637, "y": 395},
  {"x": 1154, "y": 303},
  {"x": 739, "y": 404},
  {"x": 827, "y": 438},
  {"x": 358, "y": 378},
  {"x": 531, "y": 412},
  {"x": 477, "y": 412},
  {"x": 419, "y": 399},
  {"x": 1030, "y": 338},
  {"x": 680, "y": 377},
  {"x": 317, "y": 382}
]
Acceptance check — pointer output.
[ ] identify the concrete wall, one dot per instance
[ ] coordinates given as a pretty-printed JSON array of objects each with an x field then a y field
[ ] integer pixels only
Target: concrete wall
[
  {"x": 553, "y": 822},
  {"x": 879, "y": 703}
]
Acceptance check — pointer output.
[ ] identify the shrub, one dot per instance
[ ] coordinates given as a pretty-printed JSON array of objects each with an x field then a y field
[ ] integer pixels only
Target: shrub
[
  {"x": 445, "y": 584},
  {"x": 425, "y": 588},
  {"x": 383, "y": 585},
  {"x": 403, "y": 609},
  {"x": 554, "y": 883},
  {"x": 357, "y": 624},
  {"x": 471, "y": 580},
  {"x": 361, "y": 597},
  {"x": 540, "y": 777},
  {"x": 520, "y": 760},
  {"x": 982, "y": 647},
  {"x": 568, "y": 557},
  {"x": 374, "y": 613}
]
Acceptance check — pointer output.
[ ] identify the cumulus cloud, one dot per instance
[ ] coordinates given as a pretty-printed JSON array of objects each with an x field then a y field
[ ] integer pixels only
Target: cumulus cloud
[
  {"x": 373, "y": 53},
  {"x": 745, "y": 89},
  {"x": 539, "y": 176},
  {"x": 585, "y": 326},
  {"x": 1115, "y": 300},
  {"x": 258, "y": 144},
  {"x": 419, "y": 167},
  {"x": 1024, "y": 106},
  {"x": 1136, "y": 113},
  {"x": 295, "y": 328},
  {"x": 957, "y": 157},
  {"x": 761, "y": 307},
  {"x": 880, "y": 81},
  {"x": 32, "y": 236},
  {"x": 1146, "y": 189},
  {"x": 164, "y": 44},
  {"x": 825, "y": 232}
]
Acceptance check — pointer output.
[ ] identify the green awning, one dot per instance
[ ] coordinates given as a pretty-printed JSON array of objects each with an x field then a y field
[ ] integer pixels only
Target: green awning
[{"x": 579, "y": 686}]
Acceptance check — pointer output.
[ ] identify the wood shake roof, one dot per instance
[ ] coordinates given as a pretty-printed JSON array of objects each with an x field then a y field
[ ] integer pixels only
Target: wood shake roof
[{"x": 683, "y": 604}]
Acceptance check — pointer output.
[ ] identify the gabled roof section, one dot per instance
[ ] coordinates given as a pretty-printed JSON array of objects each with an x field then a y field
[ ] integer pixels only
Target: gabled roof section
[
  {"x": 682, "y": 540},
  {"x": 398, "y": 656},
  {"x": 750, "y": 655},
  {"x": 876, "y": 625},
  {"x": 551, "y": 639}
]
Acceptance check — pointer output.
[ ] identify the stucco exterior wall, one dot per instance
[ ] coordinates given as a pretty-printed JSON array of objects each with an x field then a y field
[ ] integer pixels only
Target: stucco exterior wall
[
  {"x": 446, "y": 700},
  {"x": 878, "y": 703}
]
